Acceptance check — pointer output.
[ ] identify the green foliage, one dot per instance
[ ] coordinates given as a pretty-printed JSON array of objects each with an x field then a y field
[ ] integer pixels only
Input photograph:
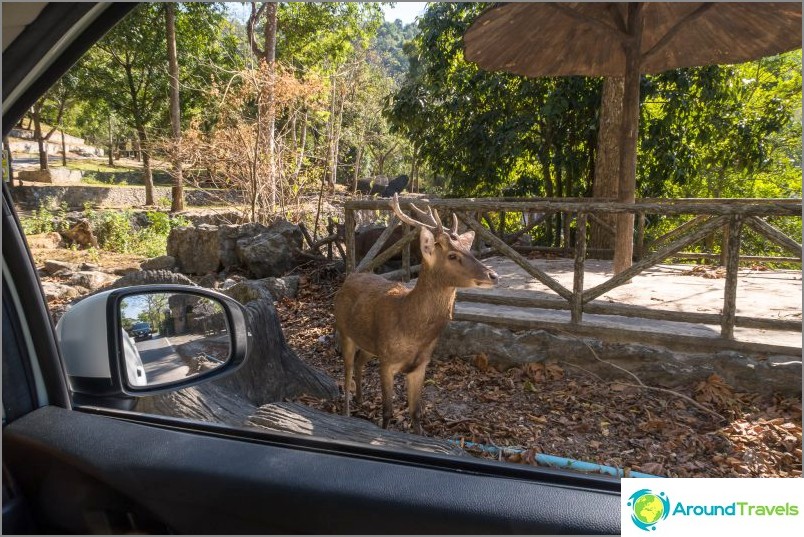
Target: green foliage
[
  {"x": 493, "y": 133},
  {"x": 116, "y": 233},
  {"x": 324, "y": 35},
  {"x": 723, "y": 131},
  {"x": 388, "y": 47},
  {"x": 41, "y": 221}
]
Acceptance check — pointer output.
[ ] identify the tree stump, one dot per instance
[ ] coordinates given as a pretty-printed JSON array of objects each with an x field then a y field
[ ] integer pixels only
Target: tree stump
[{"x": 299, "y": 419}]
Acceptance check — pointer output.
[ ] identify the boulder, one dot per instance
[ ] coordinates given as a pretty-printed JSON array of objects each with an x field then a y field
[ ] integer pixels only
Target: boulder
[
  {"x": 58, "y": 291},
  {"x": 280, "y": 288},
  {"x": 50, "y": 240},
  {"x": 271, "y": 253},
  {"x": 196, "y": 249},
  {"x": 52, "y": 266},
  {"x": 163, "y": 262},
  {"x": 228, "y": 235},
  {"x": 91, "y": 279}
]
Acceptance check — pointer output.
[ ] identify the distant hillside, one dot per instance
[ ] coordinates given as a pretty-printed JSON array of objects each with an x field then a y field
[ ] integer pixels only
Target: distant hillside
[{"x": 388, "y": 46}]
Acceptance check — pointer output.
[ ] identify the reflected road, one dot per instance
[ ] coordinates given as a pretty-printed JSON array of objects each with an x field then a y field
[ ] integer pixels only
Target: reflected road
[{"x": 162, "y": 363}]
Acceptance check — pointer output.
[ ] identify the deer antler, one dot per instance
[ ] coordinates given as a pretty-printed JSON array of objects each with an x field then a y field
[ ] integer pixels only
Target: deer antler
[{"x": 434, "y": 223}]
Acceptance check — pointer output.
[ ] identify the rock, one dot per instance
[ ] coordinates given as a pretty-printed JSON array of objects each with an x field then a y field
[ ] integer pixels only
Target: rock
[
  {"x": 196, "y": 249},
  {"x": 210, "y": 281},
  {"x": 91, "y": 279},
  {"x": 56, "y": 291},
  {"x": 81, "y": 234},
  {"x": 90, "y": 266},
  {"x": 163, "y": 262},
  {"x": 123, "y": 271},
  {"x": 50, "y": 176},
  {"x": 249, "y": 290},
  {"x": 228, "y": 237},
  {"x": 273, "y": 252},
  {"x": 280, "y": 288},
  {"x": 50, "y": 240},
  {"x": 52, "y": 266}
]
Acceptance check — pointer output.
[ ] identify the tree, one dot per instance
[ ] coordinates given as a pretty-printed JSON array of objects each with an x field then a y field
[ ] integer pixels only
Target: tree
[
  {"x": 50, "y": 109},
  {"x": 123, "y": 69},
  {"x": 267, "y": 54},
  {"x": 177, "y": 203}
]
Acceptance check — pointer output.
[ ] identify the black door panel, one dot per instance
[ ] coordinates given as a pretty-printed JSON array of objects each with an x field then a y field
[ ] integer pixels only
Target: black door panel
[{"x": 180, "y": 481}]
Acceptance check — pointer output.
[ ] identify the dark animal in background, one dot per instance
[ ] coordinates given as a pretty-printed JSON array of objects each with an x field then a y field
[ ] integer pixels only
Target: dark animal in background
[{"x": 382, "y": 186}]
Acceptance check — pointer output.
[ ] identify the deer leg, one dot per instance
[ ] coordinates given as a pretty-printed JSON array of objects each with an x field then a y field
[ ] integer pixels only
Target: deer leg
[
  {"x": 348, "y": 349},
  {"x": 387, "y": 384},
  {"x": 415, "y": 382},
  {"x": 360, "y": 361}
]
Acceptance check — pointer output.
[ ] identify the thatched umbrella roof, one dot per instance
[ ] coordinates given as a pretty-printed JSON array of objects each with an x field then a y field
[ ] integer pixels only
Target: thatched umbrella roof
[{"x": 628, "y": 39}]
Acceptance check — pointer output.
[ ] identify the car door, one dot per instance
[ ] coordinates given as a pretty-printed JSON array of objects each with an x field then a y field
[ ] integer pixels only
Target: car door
[{"x": 84, "y": 469}]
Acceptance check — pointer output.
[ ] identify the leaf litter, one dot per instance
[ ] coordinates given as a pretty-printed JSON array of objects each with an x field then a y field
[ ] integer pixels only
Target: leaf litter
[{"x": 548, "y": 408}]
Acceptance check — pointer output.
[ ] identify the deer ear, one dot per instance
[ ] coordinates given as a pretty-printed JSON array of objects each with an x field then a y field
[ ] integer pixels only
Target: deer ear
[
  {"x": 427, "y": 243},
  {"x": 467, "y": 239}
]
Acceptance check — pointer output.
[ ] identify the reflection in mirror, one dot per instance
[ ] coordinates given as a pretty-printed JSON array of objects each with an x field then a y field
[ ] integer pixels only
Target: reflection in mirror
[{"x": 170, "y": 336}]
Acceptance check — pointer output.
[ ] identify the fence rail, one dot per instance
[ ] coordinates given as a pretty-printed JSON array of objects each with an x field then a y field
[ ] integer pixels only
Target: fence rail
[{"x": 726, "y": 217}]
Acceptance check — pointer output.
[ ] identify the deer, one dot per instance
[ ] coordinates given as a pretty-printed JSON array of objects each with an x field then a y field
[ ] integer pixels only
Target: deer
[{"x": 375, "y": 317}]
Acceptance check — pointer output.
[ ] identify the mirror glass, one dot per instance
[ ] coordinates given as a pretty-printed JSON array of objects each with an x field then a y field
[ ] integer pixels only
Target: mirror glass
[{"x": 166, "y": 337}]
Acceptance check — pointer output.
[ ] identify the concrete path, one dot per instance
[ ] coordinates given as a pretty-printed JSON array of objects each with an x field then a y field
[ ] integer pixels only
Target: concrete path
[{"x": 768, "y": 294}]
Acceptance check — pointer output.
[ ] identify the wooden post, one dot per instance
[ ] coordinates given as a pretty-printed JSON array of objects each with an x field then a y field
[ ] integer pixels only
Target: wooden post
[
  {"x": 566, "y": 222},
  {"x": 632, "y": 46},
  {"x": 377, "y": 246},
  {"x": 576, "y": 305},
  {"x": 349, "y": 223},
  {"x": 406, "y": 255},
  {"x": 732, "y": 266},
  {"x": 724, "y": 246},
  {"x": 640, "y": 245}
]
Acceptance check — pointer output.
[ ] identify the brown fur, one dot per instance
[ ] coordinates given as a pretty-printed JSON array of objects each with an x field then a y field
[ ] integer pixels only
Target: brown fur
[{"x": 400, "y": 326}]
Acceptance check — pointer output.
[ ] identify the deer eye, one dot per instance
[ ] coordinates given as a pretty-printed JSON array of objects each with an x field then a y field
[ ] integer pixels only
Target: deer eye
[{"x": 452, "y": 257}]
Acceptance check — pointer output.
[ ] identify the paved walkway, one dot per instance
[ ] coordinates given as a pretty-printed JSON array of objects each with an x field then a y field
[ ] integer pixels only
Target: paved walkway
[{"x": 771, "y": 294}]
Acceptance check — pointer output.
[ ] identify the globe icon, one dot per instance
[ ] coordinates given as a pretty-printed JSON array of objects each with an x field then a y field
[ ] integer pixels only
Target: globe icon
[{"x": 648, "y": 509}]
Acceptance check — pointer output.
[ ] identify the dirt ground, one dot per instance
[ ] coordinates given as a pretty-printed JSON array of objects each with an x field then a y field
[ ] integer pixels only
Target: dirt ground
[{"x": 557, "y": 410}]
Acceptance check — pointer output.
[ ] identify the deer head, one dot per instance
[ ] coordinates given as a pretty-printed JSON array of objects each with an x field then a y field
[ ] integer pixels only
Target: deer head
[{"x": 446, "y": 254}]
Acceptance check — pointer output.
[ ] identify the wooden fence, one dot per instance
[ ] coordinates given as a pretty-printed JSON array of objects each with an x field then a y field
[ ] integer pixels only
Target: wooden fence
[{"x": 728, "y": 218}]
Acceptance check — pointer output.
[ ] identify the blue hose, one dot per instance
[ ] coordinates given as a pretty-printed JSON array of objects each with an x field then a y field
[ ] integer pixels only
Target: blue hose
[{"x": 553, "y": 461}]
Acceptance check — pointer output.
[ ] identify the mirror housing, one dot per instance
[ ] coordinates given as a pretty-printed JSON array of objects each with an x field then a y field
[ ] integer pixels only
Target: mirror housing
[{"x": 101, "y": 357}]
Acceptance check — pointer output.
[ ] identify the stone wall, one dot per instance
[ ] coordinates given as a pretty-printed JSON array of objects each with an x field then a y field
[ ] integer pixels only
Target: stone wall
[
  {"x": 656, "y": 366},
  {"x": 31, "y": 197}
]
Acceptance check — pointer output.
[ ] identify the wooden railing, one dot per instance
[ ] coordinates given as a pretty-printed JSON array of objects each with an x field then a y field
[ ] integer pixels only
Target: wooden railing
[{"x": 710, "y": 216}]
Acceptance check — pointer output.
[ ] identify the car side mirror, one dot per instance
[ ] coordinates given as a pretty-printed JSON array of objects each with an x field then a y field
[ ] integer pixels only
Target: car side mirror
[{"x": 149, "y": 339}]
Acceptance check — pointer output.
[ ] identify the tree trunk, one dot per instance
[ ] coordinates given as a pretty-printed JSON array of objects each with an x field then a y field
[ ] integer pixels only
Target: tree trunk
[
  {"x": 336, "y": 149},
  {"x": 63, "y": 149},
  {"x": 356, "y": 174},
  {"x": 330, "y": 180},
  {"x": 147, "y": 173},
  {"x": 607, "y": 159},
  {"x": 270, "y": 59},
  {"x": 7, "y": 149},
  {"x": 177, "y": 192},
  {"x": 40, "y": 139},
  {"x": 624, "y": 242},
  {"x": 111, "y": 142}
]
